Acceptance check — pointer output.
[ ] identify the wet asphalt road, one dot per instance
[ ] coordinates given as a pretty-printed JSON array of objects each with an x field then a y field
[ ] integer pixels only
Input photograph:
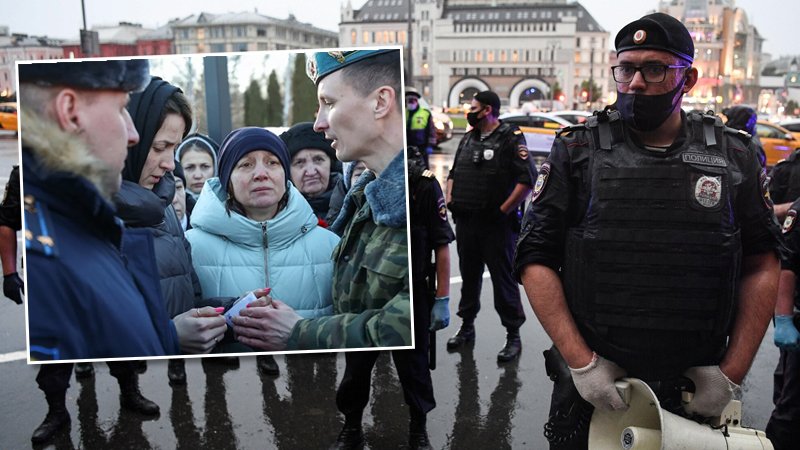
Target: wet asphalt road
[{"x": 480, "y": 404}]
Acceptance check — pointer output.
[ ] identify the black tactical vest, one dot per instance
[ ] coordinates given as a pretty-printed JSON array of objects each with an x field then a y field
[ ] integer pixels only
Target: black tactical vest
[
  {"x": 658, "y": 248},
  {"x": 480, "y": 183}
]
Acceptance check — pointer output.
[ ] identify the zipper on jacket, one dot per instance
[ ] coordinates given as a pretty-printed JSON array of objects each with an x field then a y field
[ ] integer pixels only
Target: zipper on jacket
[{"x": 265, "y": 242}]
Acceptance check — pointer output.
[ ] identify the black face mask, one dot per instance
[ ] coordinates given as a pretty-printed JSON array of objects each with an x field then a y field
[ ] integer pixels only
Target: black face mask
[
  {"x": 647, "y": 112},
  {"x": 472, "y": 118}
]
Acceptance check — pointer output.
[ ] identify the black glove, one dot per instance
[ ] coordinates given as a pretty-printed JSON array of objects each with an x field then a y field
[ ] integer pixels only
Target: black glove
[{"x": 13, "y": 287}]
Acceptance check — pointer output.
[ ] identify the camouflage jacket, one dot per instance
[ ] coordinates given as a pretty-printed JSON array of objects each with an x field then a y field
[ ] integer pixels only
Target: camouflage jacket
[{"x": 370, "y": 277}]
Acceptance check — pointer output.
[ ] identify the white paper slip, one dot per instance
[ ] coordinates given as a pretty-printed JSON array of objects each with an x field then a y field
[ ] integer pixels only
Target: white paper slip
[{"x": 242, "y": 302}]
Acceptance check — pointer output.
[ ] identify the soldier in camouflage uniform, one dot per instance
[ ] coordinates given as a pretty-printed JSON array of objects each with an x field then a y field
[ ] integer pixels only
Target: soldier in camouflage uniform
[{"x": 360, "y": 111}]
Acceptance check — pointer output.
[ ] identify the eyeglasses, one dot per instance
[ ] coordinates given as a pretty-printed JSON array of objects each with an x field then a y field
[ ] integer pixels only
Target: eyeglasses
[{"x": 652, "y": 73}]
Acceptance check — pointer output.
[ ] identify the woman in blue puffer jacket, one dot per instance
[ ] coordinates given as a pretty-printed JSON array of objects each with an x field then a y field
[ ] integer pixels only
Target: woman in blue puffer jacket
[{"x": 251, "y": 229}]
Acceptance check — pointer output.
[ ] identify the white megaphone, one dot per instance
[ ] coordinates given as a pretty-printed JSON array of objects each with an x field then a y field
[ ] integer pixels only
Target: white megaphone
[{"x": 646, "y": 426}]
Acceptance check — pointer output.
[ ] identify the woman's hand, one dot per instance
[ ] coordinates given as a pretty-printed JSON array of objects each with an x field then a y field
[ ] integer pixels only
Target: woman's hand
[{"x": 199, "y": 329}]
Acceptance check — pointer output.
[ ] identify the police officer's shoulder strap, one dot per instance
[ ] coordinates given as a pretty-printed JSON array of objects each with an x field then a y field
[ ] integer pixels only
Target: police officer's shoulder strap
[
  {"x": 428, "y": 174},
  {"x": 39, "y": 228},
  {"x": 707, "y": 128},
  {"x": 608, "y": 125}
]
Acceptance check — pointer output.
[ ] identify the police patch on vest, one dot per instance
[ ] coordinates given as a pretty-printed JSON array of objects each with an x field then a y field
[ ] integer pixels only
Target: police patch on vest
[
  {"x": 541, "y": 181},
  {"x": 488, "y": 154},
  {"x": 522, "y": 151},
  {"x": 708, "y": 191},
  {"x": 704, "y": 159},
  {"x": 791, "y": 218}
]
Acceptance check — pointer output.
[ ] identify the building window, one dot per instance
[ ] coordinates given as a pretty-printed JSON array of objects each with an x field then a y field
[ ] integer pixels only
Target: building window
[
  {"x": 353, "y": 37},
  {"x": 479, "y": 56},
  {"x": 365, "y": 37},
  {"x": 261, "y": 32},
  {"x": 217, "y": 48},
  {"x": 577, "y": 42},
  {"x": 503, "y": 56},
  {"x": 424, "y": 34},
  {"x": 240, "y": 46},
  {"x": 490, "y": 56},
  {"x": 402, "y": 38}
]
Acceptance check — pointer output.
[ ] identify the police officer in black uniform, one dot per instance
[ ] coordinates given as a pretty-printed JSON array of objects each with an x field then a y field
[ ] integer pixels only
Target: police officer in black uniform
[
  {"x": 784, "y": 183},
  {"x": 649, "y": 248},
  {"x": 10, "y": 223},
  {"x": 490, "y": 178},
  {"x": 430, "y": 235},
  {"x": 783, "y": 428}
]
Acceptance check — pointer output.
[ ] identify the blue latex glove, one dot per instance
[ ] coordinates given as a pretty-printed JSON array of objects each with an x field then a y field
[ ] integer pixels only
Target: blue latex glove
[
  {"x": 786, "y": 335},
  {"x": 429, "y": 150},
  {"x": 440, "y": 314}
]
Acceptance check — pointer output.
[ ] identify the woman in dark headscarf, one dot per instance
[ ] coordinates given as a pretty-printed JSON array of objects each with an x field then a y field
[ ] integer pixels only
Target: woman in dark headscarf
[
  {"x": 313, "y": 165},
  {"x": 162, "y": 117}
]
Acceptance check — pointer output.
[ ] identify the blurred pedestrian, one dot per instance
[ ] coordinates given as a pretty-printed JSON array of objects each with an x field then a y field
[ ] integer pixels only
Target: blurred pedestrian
[
  {"x": 351, "y": 171},
  {"x": 744, "y": 118},
  {"x": 183, "y": 203}
]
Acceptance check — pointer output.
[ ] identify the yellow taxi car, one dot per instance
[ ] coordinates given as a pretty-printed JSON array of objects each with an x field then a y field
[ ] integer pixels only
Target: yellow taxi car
[
  {"x": 778, "y": 142},
  {"x": 8, "y": 116},
  {"x": 539, "y": 129}
]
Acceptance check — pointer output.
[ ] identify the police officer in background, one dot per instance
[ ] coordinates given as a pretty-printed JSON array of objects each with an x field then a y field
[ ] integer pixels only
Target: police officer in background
[
  {"x": 649, "y": 248},
  {"x": 10, "y": 223},
  {"x": 784, "y": 183},
  {"x": 491, "y": 176},
  {"x": 783, "y": 428},
  {"x": 420, "y": 131}
]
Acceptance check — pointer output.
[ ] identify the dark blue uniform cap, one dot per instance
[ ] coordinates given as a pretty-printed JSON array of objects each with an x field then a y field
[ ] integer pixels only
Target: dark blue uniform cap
[
  {"x": 129, "y": 75},
  {"x": 657, "y": 31},
  {"x": 321, "y": 64}
]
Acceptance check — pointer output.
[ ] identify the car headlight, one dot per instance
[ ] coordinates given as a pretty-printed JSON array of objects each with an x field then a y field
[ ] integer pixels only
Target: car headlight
[{"x": 439, "y": 125}]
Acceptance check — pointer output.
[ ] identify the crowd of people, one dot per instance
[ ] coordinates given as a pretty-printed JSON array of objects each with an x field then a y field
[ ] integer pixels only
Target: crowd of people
[{"x": 649, "y": 247}]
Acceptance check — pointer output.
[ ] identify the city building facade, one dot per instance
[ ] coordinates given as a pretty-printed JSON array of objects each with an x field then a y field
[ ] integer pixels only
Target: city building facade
[
  {"x": 727, "y": 52},
  {"x": 528, "y": 51},
  {"x": 114, "y": 40},
  {"x": 246, "y": 31},
  {"x": 21, "y": 47}
]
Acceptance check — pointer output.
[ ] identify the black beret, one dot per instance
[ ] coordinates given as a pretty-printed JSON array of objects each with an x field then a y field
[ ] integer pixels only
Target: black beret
[
  {"x": 489, "y": 98},
  {"x": 657, "y": 31},
  {"x": 127, "y": 75},
  {"x": 302, "y": 136}
]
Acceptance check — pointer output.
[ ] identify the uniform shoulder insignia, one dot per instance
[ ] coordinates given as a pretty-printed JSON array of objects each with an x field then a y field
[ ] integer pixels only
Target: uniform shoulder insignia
[
  {"x": 517, "y": 131},
  {"x": 781, "y": 161},
  {"x": 39, "y": 228},
  {"x": 428, "y": 174}
]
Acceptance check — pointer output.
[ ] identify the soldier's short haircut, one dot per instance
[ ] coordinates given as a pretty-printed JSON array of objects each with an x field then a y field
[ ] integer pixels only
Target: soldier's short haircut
[{"x": 371, "y": 73}]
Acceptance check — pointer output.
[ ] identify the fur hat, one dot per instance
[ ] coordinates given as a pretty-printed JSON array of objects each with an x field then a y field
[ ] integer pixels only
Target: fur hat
[{"x": 127, "y": 75}]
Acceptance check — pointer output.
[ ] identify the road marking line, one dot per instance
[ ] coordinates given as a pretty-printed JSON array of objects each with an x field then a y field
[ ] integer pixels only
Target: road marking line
[{"x": 13, "y": 356}]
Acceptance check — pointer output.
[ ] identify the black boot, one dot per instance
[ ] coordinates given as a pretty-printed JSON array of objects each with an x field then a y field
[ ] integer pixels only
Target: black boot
[
  {"x": 84, "y": 370},
  {"x": 418, "y": 432},
  {"x": 512, "y": 348},
  {"x": 57, "y": 418},
  {"x": 351, "y": 437},
  {"x": 140, "y": 366},
  {"x": 464, "y": 335},
  {"x": 130, "y": 398},
  {"x": 176, "y": 372},
  {"x": 267, "y": 365}
]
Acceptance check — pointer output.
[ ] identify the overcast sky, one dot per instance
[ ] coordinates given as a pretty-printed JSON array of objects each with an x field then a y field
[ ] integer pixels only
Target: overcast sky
[{"x": 776, "y": 20}]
